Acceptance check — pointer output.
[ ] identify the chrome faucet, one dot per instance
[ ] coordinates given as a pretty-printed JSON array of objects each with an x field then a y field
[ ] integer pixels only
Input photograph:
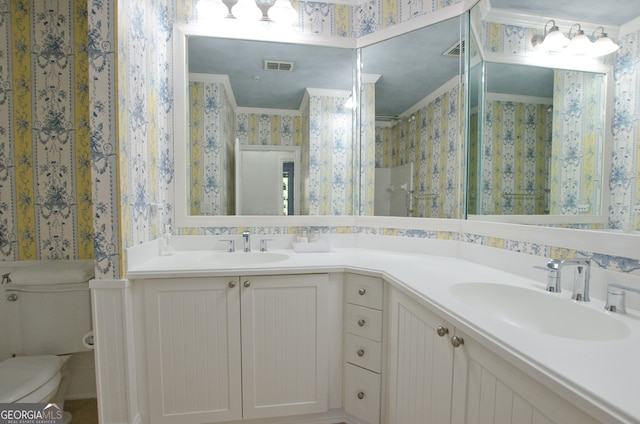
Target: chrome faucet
[
  {"x": 247, "y": 243},
  {"x": 580, "y": 281}
]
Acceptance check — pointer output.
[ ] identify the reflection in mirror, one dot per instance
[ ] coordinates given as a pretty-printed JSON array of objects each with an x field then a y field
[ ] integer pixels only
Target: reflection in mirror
[
  {"x": 542, "y": 139},
  {"x": 419, "y": 121},
  {"x": 287, "y": 96},
  {"x": 537, "y": 133}
]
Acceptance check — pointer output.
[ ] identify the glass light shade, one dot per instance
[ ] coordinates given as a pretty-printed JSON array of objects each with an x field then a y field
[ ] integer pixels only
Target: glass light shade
[
  {"x": 603, "y": 46},
  {"x": 247, "y": 10},
  {"x": 211, "y": 9},
  {"x": 283, "y": 12},
  {"x": 554, "y": 40},
  {"x": 579, "y": 44}
]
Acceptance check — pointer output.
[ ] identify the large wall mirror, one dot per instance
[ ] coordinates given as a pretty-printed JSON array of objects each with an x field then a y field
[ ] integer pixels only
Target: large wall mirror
[
  {"x": 268, "y": 129},
  {"x": 539, "y": 137},
  {"x": 416, "y": 120}
]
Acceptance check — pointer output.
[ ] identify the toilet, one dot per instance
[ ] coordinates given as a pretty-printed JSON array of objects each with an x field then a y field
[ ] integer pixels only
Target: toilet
[{"x": 48, "y": 310}]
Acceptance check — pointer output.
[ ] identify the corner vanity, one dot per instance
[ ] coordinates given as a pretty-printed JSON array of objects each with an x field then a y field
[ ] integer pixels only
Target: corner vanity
[{"x": 368, "y": 336}]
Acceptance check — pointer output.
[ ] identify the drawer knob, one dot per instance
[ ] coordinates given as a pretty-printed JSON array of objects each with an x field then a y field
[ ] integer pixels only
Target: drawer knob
[
  {"x": 232, "y": 284},
  {"x": 362, "y": 291},
  {"x": 360, "y": 395},
  {"x": 247, "y": 284},
  {"x": 360, "y": 352},
  {"x": 361, "y": 322},
  {"x": 442, "y": 331},
  {"x": 457, "y": 341}
]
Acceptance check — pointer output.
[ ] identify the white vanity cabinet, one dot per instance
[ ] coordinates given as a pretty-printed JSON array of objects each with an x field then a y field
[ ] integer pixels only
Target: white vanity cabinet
[
  {"x": 431, "y": 381},
  {"x": 363, "y": 346},
  {"x": 224, "y": 349}
]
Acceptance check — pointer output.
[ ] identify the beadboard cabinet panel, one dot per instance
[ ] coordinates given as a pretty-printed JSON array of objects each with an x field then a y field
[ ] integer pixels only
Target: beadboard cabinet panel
[
  {"x": 420, "y": 364},
  {"x": 193, "y": 339},
  {"x": 284, "y": 345},
  {"x": 488, "y": 389}
]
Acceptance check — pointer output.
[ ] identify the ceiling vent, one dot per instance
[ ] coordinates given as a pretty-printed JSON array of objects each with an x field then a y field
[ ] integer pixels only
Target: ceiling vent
[
  {"x": 456, "y": 50},
  {"x": 278, "y": 65}
]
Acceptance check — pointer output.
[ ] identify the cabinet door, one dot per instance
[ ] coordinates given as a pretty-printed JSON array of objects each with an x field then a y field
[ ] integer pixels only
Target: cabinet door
[
  {"x": 488, "y": 389},
  {"x": 420, "y": 364},
  {"x": 193, "y": 350},
  {"x": 284, "y": 345}
]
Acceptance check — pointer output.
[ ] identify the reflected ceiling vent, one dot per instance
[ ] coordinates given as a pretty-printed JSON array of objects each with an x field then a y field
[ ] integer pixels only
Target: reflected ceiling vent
[
  {"x": 277, "y": 65},
  {"x": 456, "y": 50}
]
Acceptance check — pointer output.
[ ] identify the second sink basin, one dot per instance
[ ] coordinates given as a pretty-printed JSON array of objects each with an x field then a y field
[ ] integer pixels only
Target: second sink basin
[
  {"x": 540, "y": 311},
  {"x": 246, "y": 258}
]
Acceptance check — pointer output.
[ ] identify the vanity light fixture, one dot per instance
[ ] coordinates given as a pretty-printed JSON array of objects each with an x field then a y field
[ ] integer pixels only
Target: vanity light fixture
[
  {"x": 553, "y": 40},
  {"x": 279, "y": 11}
]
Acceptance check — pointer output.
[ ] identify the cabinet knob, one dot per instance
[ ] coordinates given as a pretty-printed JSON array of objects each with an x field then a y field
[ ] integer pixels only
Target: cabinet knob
[
  {"x": 232, "y": 284},
  {"x": 360, "y": 395},
  {"x": 247, "y": 283},
  {"x": 457, "y": 341},
  {"x": 442, "y": 331},
  {"x": 361, "y": 352},
  {"x": 362, "y": 291},
  {"x": 361, "y": 322}
]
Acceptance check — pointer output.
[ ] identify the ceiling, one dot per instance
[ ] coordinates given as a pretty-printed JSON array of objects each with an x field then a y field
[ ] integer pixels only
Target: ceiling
[{"x": 416, "y": 56}]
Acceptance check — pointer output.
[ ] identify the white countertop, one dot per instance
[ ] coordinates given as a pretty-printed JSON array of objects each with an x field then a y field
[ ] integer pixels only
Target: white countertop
[{"x": 605, "y": 374}]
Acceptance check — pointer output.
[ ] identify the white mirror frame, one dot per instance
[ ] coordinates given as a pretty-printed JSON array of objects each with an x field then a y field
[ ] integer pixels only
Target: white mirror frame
[{"x": 180, "y": 34}]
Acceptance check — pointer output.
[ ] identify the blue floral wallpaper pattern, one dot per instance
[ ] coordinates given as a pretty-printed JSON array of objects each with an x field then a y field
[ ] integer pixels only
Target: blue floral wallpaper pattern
[{"x": 45, "y": 149}]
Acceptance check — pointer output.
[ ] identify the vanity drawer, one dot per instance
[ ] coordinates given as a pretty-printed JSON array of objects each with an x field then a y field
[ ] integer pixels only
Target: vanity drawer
[
  {"x": 364, "y": 291},
  {"x": 364, "y": 322},
  {"x": 363, "y": 352},
  {"x": 362, "y": 394}
]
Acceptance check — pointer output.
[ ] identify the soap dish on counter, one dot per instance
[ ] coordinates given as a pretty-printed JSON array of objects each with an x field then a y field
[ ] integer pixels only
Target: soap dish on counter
[{"x": 314, "y": 246}]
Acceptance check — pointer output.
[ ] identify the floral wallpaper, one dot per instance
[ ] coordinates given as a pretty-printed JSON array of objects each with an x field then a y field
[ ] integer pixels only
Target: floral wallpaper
[
  {"x": 433, "y": 140},
  {"x": 578, "y": 142},
  {"x": 45, "y": 148},
  {"x": 516, "y": 154},
  {"x": 624, "y": 179},
  {"x": 211, "y": 149},
  {"x": 328, "y": 187}
]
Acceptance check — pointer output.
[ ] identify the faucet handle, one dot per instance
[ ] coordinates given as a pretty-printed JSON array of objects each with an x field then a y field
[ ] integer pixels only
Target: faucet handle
[
  {"x": 231, "y": 246},
  {"x": 616, "y": 295},
  {"x": 263, "y": 244},
  {"x": 553, "y": 278}
]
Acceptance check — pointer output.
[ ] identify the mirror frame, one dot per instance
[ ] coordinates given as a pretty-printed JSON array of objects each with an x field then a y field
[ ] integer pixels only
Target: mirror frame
[
  {"x": 180, "y": 81},
  {"x": 566, "y": 63}
]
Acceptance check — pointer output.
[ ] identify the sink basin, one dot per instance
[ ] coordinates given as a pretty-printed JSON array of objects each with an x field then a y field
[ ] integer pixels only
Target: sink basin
[
  {"x": 247, "y": 258},
  {"x": 540, "y": 311}
]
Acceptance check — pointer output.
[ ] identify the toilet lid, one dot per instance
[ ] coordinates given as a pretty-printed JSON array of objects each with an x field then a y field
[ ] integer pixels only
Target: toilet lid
[{"x": 21, "y": 375}]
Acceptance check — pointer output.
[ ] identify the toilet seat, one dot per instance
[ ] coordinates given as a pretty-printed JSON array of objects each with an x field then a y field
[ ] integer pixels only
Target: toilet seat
[{"x": 29, "y": 378}]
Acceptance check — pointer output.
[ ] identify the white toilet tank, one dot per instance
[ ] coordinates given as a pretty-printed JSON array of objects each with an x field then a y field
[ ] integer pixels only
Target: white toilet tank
[{"x": 49, "y": 308}]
